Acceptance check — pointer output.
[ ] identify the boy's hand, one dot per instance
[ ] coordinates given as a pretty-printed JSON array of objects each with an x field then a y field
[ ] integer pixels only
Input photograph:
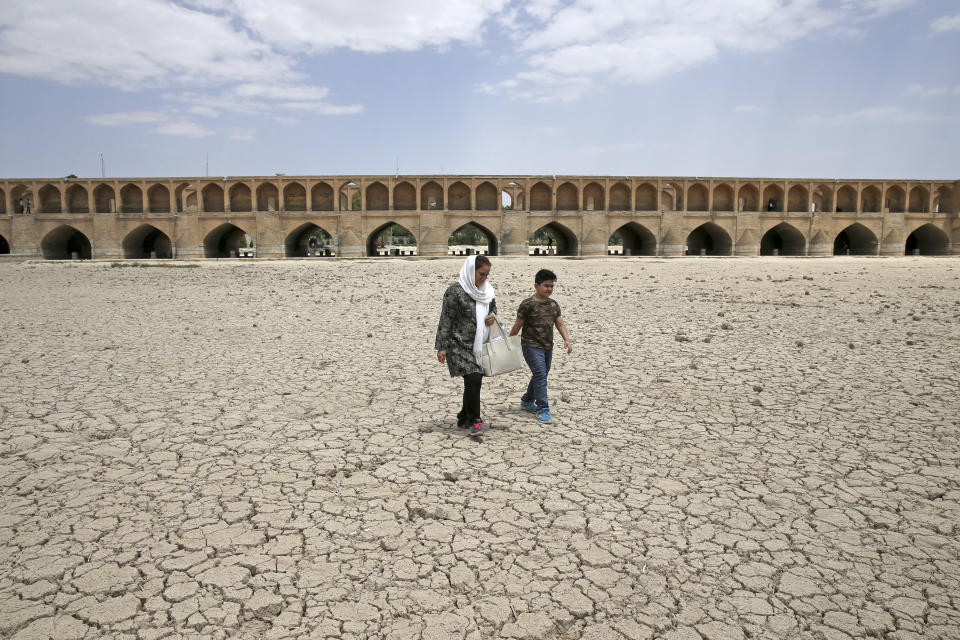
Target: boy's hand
[{"x": 569, "y": 346}]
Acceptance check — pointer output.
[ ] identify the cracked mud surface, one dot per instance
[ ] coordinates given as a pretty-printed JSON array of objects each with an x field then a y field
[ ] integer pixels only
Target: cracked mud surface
[{"x": 761, "y": 448}]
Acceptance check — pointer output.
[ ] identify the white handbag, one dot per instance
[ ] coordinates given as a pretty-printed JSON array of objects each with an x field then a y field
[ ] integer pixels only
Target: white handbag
[{"x": 501, "y": 353}]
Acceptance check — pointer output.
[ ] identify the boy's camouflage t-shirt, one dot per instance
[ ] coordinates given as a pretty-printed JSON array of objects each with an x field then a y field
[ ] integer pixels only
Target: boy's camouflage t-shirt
[{"x": 538, "y": 321}]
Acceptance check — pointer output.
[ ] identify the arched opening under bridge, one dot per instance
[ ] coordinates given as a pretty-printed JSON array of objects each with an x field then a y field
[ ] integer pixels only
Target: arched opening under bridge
[
  {"x": 66, "y": 243},
  {"x": 927, "y": 240},
  {"x": 391, "y": 239},
  {"x": 4, "y": 246},
  {"x": 855, "y": 240},
  {"x": 309, "y": 240},
  {"x": 470, "y": 239},
  {"x": 709, "y": 239},
  {"x": 783, "y": 240},
  {"x": 225, "y": 241},
  {"x": 146, "y": 241},
  {"x": 553, "y": 239},
  {"x": 632, "y": 239}
]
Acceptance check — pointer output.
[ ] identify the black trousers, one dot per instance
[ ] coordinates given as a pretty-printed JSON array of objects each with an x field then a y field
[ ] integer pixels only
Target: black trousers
[{"x": 470, "y": 410}]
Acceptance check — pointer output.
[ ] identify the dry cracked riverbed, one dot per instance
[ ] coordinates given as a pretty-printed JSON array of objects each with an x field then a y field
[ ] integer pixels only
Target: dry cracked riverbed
[{"x": 754, "y": 448}]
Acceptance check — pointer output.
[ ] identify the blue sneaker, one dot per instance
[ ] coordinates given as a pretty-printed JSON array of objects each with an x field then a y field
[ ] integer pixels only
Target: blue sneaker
[
  {"x": 544, "y": 415},
  {"x": 529, "y": 405}
]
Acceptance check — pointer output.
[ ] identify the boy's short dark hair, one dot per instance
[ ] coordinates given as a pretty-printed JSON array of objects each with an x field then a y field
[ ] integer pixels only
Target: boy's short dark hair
[{"x": 543, "y": 275}]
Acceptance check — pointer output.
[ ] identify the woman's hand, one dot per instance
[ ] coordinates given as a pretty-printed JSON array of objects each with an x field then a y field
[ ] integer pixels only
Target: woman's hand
[
  {"x": 442, "y": 356},
  {"x": 489, "y": 320}
]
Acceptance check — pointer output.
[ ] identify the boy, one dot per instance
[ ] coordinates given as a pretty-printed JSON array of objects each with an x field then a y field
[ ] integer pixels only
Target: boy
[{"x": 537, "y": 315}]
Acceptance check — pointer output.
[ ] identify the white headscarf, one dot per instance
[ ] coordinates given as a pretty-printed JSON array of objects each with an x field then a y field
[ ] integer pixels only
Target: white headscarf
[{"x": 483, "y": 295}]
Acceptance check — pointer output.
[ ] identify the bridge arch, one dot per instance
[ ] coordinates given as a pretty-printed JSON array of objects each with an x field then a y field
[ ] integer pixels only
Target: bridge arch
[
  {"x": 3, "y": 202},
  {"x": 147, "y": 241},
  {"x": 374, "y": 237},
  {"x": 477, "y": 230},
  {"x": 723, "y": 198},
  {"x": 895, "y": 200},
  {"x": 822, "y": 198},
  {"x": 541, "y": 197},
  {"x": 697, "y": 198},
  {"x": 307, "y": 239},
  {"x": 431, "y": 196},
  {"x": 104, "y": 198},
  {"x": 487, "y": 197},
  {"x": 620, "y": 197},
  {"x": 321, "y": 196},
  {"x": 942, "y": 200},
  {"x": 637, "y": 240},
  {"x": 919, "y": 199},
  {"x": 224, "y": 241},
  {"x": 350, "y": 199},
  {"x": 158, "y": 199},
  {"x": 240, "y": 198},
  {"x": 212, "y": 196},
  {"x": 49, "y": 199},
  {"x": 855, "y": 240},
  {"x": 568, "y": 197},
  {"x": 773, "y": 198},
  {"x": 268, "y": 196},
  {"x": 64, "y": 243},
  {"x": 927, "y": 240},
  {"x": 709, "y": 239},
  {"x": 77, "y": 199},
  {"x": 378, "y": 197},
  {"x": 785, "y": 239},
  {"x": 870, "y": 199},
  {"x": 294, "y": 197},
  {"x": 846, "y": 198},
  {"x": 797, "y": 198},
  {"x": 564, "y": 241},
  {"x": 18, "y": 193},
  {"x": 4, "y": 246},
  {"x": 458, "y": 197},
  {"x": 404, "y": 197},
  {"x": 671, "y": 197},
  {"x": 748, "y": 198},
  {"x": 646, "y": 197},
  {"x": 131, "y": 199},
  {"x": 593, "y": 199}
]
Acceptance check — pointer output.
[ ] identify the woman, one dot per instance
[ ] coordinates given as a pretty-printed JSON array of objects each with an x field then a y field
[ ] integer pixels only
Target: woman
[{"x": 468, "y": 308}]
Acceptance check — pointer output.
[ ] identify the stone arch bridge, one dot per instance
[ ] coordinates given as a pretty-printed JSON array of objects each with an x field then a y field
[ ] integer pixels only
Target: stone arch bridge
[{"x": 190, "y": 218}]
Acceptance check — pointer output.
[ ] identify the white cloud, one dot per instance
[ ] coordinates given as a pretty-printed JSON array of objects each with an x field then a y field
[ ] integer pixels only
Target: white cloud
[
  {"x": 184, "y": 128},
  {"x": 210, "y": 47},
  {"x": 169, "y": 123},
  {"x": 131, "y": 45},
  {"x": 540, "y": 86},
  {"x": 637, "y": 41},
  {"x": 366, "y": 25},
  {"x": 946, "y": 23},
  {"x": 877, "y": 115},
  {"x": 203, "y": 110},
  {"x": 243, "y": 135},
  {"x": 927, "y": 92},
  {"x": 124, "y": 118}
]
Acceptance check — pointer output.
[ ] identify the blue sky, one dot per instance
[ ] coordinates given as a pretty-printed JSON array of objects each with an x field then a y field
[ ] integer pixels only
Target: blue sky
[{"x": 768, "y": 88}]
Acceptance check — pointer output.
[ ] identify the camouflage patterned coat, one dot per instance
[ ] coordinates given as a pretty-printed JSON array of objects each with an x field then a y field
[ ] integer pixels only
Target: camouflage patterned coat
[{"x": 457, "y": 329}]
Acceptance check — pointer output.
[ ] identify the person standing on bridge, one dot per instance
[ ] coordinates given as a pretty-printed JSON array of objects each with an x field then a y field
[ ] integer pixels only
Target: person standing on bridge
[{"x": 467, "y": 313}]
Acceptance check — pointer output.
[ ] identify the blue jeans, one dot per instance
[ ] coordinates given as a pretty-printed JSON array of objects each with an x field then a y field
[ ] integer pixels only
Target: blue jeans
[{"x": 539, "y": 362}]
